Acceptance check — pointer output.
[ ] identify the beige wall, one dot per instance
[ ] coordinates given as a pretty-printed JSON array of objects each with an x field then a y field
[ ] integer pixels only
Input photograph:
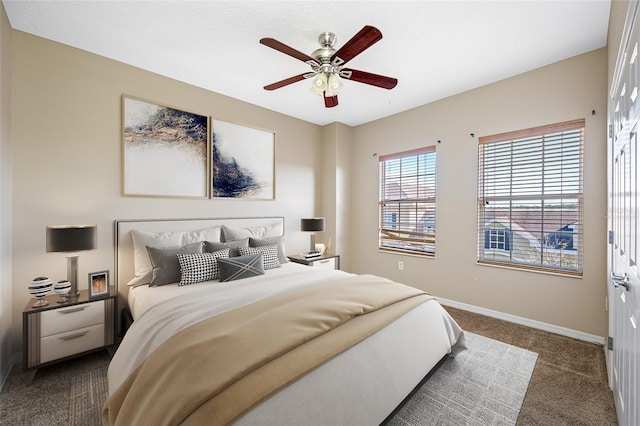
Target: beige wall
[
  {"x": 6, "y": 287},
  {"x": 559, "y": 92},
  {"x": 336, "y": 201},
  {"x": 66, "y": 157},
  {"x": 66, "y": 169}
]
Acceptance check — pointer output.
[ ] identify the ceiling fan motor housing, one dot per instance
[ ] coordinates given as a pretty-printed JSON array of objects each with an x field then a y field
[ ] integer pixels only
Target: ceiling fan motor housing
[{"x": 327, "y": 40}]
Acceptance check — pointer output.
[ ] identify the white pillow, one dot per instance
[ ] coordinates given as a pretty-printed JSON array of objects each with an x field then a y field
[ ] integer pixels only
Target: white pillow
[
  {"x": 231, "y": 233},
  {"x": 141, "y": 239},
  {"x": 209, "y": 234}
]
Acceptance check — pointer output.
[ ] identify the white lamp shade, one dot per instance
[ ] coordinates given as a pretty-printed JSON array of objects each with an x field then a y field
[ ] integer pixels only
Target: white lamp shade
[
  {"x": 334, "y": 84},
  {"x": 319, "y": 84}
]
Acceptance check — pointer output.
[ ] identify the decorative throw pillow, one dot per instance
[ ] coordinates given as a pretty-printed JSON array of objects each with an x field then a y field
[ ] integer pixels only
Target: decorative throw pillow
[
  {"x": 269, "y": 255},
  {"x": 211, "y": 246},
  {"x": 141, "y": 261},
  {"x": 142, "y": 239},
  {"x": 267, "y": 241},
  {"x": 196, "y": 268},
  {"x": 237, "y": 268},
  {"x": 164, "y": 260}
]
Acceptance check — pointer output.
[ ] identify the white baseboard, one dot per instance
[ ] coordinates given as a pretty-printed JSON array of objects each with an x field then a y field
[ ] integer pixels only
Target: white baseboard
[{"x": 592, "y": 338}]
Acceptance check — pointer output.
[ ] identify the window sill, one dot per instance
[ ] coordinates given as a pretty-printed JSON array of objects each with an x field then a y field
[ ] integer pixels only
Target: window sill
[
  {"x": 538, "y": 270},
  {"x": 406, "y": 253}
]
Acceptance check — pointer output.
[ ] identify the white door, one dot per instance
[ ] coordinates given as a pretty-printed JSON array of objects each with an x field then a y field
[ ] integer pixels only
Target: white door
[{"x": 624, "y": 280}]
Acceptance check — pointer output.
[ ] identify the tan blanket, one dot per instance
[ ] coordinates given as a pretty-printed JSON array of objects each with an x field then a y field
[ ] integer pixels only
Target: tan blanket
[{"x": 214, "y": 371}]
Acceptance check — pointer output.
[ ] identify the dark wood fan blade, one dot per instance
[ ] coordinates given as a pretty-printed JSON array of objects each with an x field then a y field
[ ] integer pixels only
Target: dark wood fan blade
[
  {"x": 360, "y": 42},
  {"x": 285, "y": 82},
  {"x": 369, "y": 78},
  {"x": 281, "y": 47},
  {"x": 330, "y": 101}
]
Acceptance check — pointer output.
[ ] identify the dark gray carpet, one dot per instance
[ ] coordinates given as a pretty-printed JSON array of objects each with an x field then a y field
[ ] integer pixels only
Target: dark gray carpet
[
  {"x": 49, "y": 400},
  {"x": 87, "y": 395},
  {"x": 484, "y": 385}
]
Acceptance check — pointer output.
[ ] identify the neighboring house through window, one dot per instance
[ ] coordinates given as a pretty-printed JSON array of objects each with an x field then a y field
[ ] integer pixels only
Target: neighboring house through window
[
  {"x": 407, "y": 202},
  {"x": 530, "y": 198},
  {"x": 496, "y": 239}
]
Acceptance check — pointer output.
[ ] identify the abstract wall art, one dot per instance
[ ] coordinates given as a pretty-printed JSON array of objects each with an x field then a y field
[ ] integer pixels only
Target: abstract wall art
[
  {"x": 243, "y": 162},
  {"x": 164, "y": 151}
]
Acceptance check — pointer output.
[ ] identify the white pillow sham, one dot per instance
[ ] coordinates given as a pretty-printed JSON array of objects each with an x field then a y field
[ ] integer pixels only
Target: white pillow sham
[{"x": 231, "y": 233}]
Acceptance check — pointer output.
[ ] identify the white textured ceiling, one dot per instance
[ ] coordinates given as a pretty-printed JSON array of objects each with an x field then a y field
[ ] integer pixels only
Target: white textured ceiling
[{"x": 434, "y": 48}]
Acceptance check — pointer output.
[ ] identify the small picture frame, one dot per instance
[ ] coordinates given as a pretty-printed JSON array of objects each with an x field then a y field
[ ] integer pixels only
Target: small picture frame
[{"x": 98, "y": 284}]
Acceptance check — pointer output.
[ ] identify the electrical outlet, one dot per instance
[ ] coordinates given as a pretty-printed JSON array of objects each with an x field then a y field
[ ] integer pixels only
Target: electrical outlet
[{"x": 400, "y": 265}]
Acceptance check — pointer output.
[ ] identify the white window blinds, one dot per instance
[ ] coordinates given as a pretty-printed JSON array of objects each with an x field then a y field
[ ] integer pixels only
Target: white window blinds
[
  {"x": 408, "y": 202},
  {"x": 530, "y": 198}
]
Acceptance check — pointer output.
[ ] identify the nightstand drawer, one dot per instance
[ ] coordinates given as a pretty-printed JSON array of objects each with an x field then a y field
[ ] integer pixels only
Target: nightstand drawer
[
  {"x": 325, "y": 263},
  {"x": 56, "y": 332},
  {"x": 71, "y": 342},
  {"x": 71, "y": 318}
]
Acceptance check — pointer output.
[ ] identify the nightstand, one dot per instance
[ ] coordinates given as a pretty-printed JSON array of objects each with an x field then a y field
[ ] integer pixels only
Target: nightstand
[
  {"x": 60, "y": 331},
  {"x": 326, "y": 261}
]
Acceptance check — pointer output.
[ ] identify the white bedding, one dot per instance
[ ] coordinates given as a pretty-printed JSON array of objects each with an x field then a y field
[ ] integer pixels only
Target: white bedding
[
  {"x": 359, "y": 387},
  {"x": 144, "y": 297}
]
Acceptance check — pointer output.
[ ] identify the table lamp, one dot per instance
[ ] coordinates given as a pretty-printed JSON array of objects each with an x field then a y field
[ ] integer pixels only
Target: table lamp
[
  {"x": 313, "y": 224},
  {"x": 71, "y": 238}
]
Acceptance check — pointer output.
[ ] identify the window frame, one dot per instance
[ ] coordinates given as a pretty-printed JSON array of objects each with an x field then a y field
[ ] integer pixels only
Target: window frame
[
  {"x": 508, "y": 186},
  {"x": 392, "y": 238}
]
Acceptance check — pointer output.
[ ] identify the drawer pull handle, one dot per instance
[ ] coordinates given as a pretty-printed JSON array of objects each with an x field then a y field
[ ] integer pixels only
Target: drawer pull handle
[
  {"x": 73, "y": 336},
  {"x": 70, "y": 311},
  {"x": 324, "y": 261}
]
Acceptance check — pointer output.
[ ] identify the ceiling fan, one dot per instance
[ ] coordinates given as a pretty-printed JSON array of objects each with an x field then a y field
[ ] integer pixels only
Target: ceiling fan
[{"x": 327, "y": 64}]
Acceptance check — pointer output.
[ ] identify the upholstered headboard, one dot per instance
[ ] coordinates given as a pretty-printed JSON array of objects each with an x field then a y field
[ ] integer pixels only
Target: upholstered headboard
[{"x": 124, "y": 265}]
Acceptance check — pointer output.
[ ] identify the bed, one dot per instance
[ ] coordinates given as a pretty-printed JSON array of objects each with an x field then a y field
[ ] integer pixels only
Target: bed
[{"x": 359, "y": 382}]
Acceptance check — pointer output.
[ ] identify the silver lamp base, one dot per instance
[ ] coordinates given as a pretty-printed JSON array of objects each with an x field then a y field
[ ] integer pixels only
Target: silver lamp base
[
  {"x": 72, "y": 275},
  {"x": 312, "y": 247}
]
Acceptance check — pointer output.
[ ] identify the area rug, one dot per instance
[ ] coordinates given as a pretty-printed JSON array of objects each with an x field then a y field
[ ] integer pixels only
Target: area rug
[
  {"x": 484, "y": 385},
  {"x": 87, "y": 394}
]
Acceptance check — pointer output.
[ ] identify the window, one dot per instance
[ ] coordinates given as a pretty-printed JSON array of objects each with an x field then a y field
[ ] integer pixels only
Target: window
[
  {"x": 530, "y": 199},
  {"x": 496, "y": 239},
  {"x": 408, "y": 202}
]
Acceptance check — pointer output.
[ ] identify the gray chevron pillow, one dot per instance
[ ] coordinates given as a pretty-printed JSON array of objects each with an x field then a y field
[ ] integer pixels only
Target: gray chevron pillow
[{"x": 237, "y": 268}]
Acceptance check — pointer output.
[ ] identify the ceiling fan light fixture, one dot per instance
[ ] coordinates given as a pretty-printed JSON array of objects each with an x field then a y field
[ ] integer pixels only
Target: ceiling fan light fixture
[
  {"x": 320, "y": 84},
  {"x": 334, "y": 84}
]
